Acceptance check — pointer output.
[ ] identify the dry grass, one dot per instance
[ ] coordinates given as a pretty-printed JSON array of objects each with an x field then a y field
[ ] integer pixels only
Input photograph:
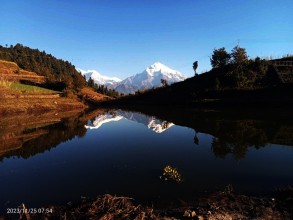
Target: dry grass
[
  {"x": 105, "y": 207},
  {"x": 10, "y": 71},
  {"x": 8, "y": 64},
  {"x": 90, "y": 95}
]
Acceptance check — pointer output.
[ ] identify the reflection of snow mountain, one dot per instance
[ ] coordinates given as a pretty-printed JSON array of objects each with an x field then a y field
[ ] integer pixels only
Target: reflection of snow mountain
[
  {"x": 151, "y": 122},
  {"x": 103, "y": 119}
]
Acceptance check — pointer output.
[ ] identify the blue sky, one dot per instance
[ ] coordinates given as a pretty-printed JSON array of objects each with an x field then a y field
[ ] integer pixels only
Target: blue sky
[{"x": 121, "y": 38}]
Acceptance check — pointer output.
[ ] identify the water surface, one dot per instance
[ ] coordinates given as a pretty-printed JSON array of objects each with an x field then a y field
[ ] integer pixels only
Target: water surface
[{"x": 54, "y": 159}]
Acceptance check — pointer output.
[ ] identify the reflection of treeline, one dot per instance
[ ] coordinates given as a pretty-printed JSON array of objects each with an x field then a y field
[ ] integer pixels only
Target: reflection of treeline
[
  {"x": 234, "y": 132},
  {"x": 235, "y": 137},
  {"x": 55, "y": 134}
]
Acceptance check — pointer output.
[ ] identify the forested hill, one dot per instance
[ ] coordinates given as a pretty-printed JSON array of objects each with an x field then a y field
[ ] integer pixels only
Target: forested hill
[{"x": 57, "y": 71}]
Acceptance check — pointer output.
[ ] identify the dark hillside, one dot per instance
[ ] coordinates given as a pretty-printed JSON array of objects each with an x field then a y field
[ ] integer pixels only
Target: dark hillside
[
  {"x": 256, "y": 82},
  {"x": 284, "y": 69}
]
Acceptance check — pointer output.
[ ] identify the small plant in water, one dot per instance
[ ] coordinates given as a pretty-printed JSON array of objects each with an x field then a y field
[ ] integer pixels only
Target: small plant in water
[{"x": 171, "y": 174}]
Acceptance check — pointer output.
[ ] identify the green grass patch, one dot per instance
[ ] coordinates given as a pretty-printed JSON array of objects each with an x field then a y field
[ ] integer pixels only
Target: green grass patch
[{"x": 26, "y": 88}]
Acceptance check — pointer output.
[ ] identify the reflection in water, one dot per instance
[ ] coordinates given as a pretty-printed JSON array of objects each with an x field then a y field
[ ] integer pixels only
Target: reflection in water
[
  {"x": 151, "y": 122},
  {"x": 103, "y": 119},
  {"x": 238, "y": 136},
  {"x": 67, "y": 158},
  {"x": 27, "y": 135},
  {"x": 233, "y": 132}
]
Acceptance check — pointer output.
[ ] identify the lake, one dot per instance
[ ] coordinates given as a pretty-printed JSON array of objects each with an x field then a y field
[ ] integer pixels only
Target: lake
[{"x": 153, "y": 155}]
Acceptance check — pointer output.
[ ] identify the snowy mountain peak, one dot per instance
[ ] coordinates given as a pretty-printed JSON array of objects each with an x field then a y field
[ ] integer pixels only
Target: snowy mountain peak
[
  {"x": 99, "y": 78},
  {"x": 149, "y": 78},
  {"x": 159, "y": 67}
]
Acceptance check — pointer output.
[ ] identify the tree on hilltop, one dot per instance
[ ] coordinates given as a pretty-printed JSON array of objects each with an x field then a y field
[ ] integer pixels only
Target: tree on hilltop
[
  {"x": 220, "y": 58},
  {"x": 239, "y": 55},
  {"x": 164, "y": 82},
  {"x": 194, "y": 66}
]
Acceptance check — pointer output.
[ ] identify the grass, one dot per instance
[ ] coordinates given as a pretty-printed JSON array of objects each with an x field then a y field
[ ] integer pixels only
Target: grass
[{"x": 25, "y": 88}]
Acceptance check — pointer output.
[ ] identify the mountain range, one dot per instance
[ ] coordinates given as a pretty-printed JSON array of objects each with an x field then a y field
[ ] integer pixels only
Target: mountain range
[
  {"x": 147, "y": 79},
  {"x": 98, "y": 78}
]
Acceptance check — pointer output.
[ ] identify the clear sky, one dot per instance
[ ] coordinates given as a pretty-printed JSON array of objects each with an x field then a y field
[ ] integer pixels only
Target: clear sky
[{"x": 123, "y": 37}]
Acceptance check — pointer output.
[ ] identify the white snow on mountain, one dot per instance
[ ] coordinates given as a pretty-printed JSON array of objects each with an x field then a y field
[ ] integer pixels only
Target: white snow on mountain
[
  {"x": 149, "y": 78},
  {"x": 99, "y": 78}
]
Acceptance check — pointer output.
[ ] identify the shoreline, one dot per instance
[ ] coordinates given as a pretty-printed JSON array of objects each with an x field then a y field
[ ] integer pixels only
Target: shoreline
[
  {"x": 38, "y": 105},
  {"x": 224, "y": 204}
]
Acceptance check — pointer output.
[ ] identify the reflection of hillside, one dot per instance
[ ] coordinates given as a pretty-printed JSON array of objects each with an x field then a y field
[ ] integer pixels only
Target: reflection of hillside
[
  {"x": 151, "y": 122},
  {"x": 234, "y": 132},
  {"x": 27, "y": 135}
]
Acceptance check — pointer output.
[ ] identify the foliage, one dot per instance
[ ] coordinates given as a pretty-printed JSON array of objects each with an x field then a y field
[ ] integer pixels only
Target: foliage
[
  {"x": 194, "y": 66},
  {"x": 55, "y": 70},
  {"x": 171, "y": 173},
  {"x": 239, "y": 56},
  {"x": 220, "y": 58},
  {"x": 164, "y": 82},
  {"x": 217, "y": 84},
  {"x": 102, "y": 89},
  {"x": 237, "y": 71}
]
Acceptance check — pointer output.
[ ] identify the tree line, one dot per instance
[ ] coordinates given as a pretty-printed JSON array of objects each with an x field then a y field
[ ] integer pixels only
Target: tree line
[
  {"x": 60, "y": 74},
  {"x": 102, "y": 89},
  {"x": 236, "y": 70}
]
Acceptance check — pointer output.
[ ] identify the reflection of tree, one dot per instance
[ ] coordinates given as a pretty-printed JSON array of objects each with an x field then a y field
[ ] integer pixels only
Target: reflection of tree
[
  {"x": 236, "y": 137},
  {"x": 195, "y": 139},
  {"x": 220, "y": 148},
  {"x": 234, "y": 132}
]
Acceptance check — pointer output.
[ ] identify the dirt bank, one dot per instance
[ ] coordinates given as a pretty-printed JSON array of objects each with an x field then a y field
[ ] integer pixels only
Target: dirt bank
[{"x": 224, "y": 205}]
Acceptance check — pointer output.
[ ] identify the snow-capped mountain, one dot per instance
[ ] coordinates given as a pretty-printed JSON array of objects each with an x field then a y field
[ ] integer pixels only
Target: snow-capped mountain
[
  {"x": 99, "y": 78},
  {"x": 149, "y": 78},
  {"x": 150, "y": 122}
]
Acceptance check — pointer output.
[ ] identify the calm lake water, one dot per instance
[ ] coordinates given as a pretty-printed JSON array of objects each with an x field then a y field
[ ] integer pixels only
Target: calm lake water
[{"x": 54, "y": 159}]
